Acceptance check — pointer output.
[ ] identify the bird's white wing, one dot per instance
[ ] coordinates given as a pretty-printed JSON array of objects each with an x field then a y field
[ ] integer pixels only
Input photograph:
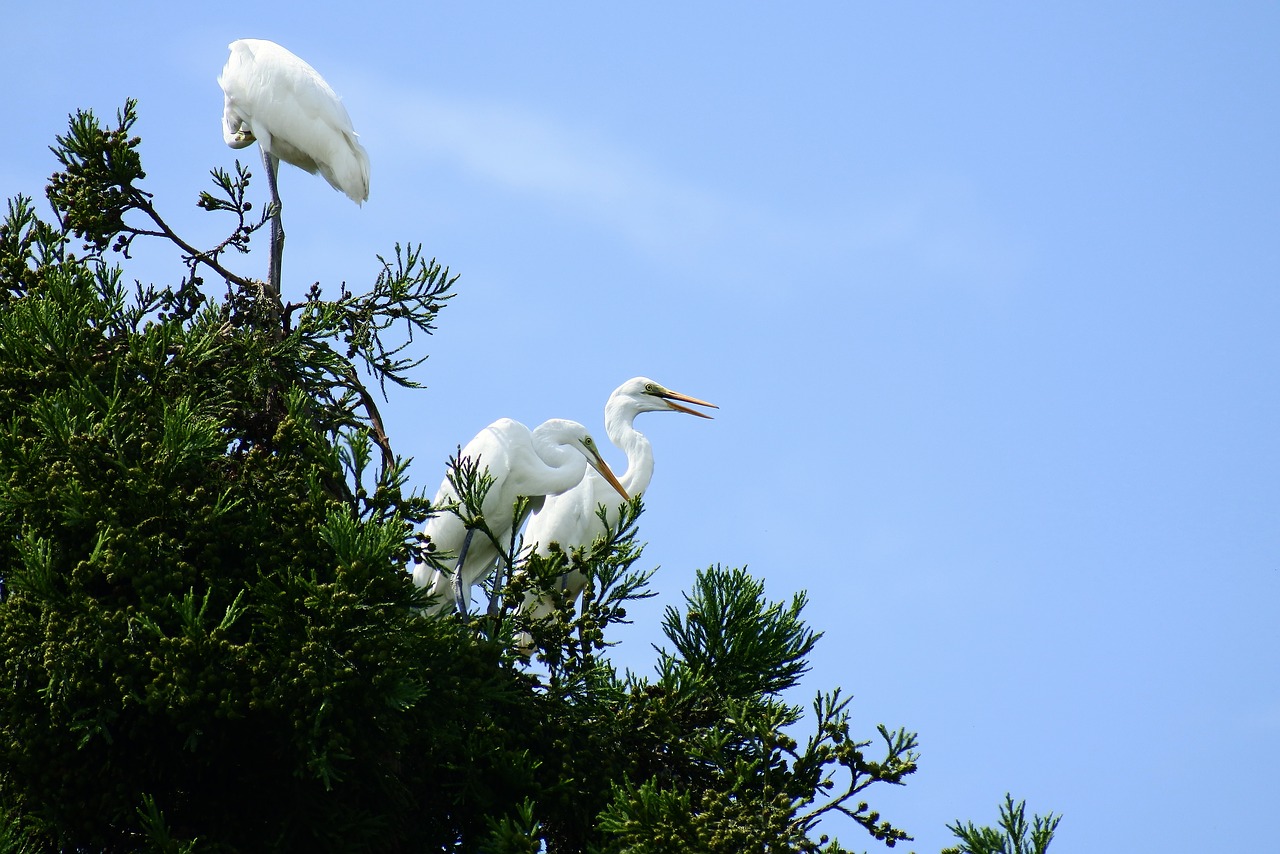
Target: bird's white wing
[
  {"x": 570, "y": 517},
  {"x": 495, "y": 448}
]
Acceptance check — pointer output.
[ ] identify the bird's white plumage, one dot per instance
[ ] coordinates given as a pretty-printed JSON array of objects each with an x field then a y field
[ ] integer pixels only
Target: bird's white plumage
[
  {"x": 544, "y": 461},
  {"x": 570, "y": 518},
  {"x": 275, "y": 98}
]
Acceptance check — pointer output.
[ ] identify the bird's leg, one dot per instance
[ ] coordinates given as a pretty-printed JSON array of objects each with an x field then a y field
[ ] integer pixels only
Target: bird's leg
[
  {"x": 525, "y": 506},
  {"x": 460, "y": 596},
  {"x": 277, "y": 230},
  {"x": 498, "y": 578}
]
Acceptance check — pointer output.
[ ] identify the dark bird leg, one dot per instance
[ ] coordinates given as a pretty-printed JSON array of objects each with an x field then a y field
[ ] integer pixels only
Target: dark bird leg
[
  {"x": 459, "y": 594},
  {"x": 499, "y": 576},
  {"x": 277, "y": 230},
  {"x": 526, "y": 505}
]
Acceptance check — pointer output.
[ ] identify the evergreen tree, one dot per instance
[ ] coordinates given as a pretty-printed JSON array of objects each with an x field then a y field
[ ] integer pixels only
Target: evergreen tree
[
  {"x": 208, "y": 637},
  {"x": 1012, "y": 836}
]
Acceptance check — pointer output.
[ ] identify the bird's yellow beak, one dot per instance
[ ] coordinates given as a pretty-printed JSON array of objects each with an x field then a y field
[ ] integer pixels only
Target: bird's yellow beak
[
  {"x": 672, "y": 396},
  {"x": 598, "y": 463},
  {"x": 242, "y": 137}
]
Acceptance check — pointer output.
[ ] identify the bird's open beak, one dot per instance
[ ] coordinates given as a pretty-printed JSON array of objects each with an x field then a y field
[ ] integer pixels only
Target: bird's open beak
[
  {"x": 598, "y": 463},
  {"x": 672, "y": 396}
]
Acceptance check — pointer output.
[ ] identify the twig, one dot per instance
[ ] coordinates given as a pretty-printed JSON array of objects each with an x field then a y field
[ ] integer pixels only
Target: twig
[
  {"x": 193, "y": 254},
  {"x": 375, "y": 417}
]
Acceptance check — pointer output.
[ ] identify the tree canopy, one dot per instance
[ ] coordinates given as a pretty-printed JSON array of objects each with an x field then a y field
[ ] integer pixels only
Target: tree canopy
[{"x": 209, "y": 640}]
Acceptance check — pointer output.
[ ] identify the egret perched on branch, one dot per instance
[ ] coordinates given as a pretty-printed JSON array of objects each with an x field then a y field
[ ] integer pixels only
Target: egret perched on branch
[
  {"x": 277, "y": 100},
  {"x": 570, "y": 518},
  {"x": 522, "y": 462}
]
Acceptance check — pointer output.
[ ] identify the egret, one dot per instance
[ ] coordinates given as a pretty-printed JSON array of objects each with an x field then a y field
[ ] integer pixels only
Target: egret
[
  {"x": 279, "y": 101},
  {"x": 522, "y": 462},
  {"x": 571, "y": 518}
]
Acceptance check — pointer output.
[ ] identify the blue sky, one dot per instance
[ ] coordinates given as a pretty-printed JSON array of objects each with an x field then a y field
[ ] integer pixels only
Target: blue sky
[{"x": 987, "y": 294}]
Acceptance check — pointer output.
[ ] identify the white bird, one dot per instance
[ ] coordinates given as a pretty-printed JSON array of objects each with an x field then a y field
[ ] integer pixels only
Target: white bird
[
  {"x": 570, "y": 518},
  {"x": 274, "y": 98},
  {"x": 545, "y": 461}
]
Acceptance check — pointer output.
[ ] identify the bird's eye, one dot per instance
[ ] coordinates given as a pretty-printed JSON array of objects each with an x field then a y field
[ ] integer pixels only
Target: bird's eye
[{"x": 653, "y": 388}]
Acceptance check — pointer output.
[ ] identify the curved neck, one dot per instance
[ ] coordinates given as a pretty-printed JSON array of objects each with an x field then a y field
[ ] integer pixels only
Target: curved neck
[
  {"x": 619, "y": 425},
  {"x": 564, "y": 464}
]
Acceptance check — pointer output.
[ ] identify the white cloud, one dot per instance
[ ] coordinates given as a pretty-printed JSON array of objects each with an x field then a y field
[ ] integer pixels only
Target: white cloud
[
  {"x": 571, "y": 168},
  {"x": 928, "y": 229}
]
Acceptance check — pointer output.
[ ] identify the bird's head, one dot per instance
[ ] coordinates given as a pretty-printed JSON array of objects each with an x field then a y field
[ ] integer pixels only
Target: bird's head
[
  {"x": 644, "y": 395},
  {"x": 241, "y": 137},
  {"x": 588, "y": 447}
]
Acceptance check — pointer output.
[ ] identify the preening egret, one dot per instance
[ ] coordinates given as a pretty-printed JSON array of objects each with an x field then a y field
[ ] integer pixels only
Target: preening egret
[
  {"x": 533, "y": 463},
  {"x": 277, "y": 100},
  {"x": 570, "y": 518}
]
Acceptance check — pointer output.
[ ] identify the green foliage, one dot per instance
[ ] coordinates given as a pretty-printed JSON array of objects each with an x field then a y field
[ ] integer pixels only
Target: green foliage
[
  {"x": 515, "y": 834},
  {"x": 95, "y": 188},
  {"x": 206, "y": 611},
  {"x": 714, "y": 768},
  {"x": 13, "y": 838},
  {"x": 156, "y": 830},
  {"x": 729, "y": 637},
  {"x": 1013, "y": 836},
  {"x": 29, "y": 247}
]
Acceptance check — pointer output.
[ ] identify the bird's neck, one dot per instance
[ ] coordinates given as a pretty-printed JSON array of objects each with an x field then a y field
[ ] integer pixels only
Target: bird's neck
[
  {"x": 621, "y": 429},
  {"x": 564, "y": 464}
]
